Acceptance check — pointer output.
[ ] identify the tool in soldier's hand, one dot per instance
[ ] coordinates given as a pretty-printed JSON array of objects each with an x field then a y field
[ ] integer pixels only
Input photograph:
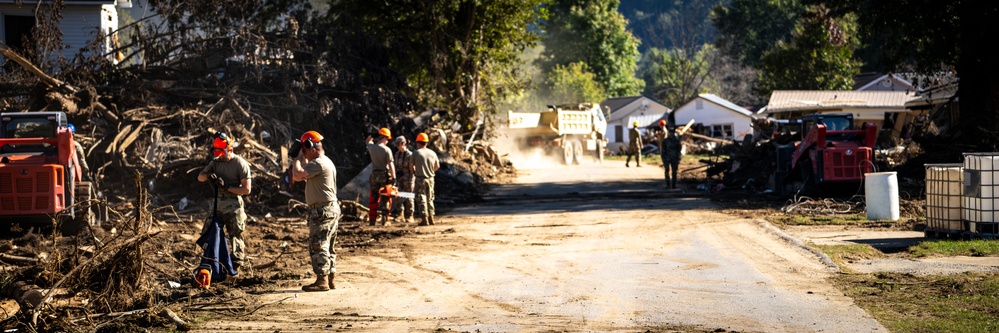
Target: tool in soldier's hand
[
  {"x": 296, "y": 148},
  {"x": 408, "y": 195},
  {"x": 217, "y": 182}
]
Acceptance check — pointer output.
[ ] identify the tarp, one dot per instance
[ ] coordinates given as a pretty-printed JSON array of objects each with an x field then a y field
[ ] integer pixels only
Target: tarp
[{"x": 216, "y": 250}]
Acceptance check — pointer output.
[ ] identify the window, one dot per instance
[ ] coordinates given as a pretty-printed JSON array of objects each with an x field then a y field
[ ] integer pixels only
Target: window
[
  {"x": 722, "y": 131},
  {"x": 618, "y": 133},
  {"x": 17, "y": 30},
  {"x": 698, "y": 104}
]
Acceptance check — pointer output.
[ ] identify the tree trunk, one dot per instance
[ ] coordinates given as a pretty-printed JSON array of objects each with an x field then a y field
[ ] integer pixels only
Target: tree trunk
[{"x": 979, "y": 74}]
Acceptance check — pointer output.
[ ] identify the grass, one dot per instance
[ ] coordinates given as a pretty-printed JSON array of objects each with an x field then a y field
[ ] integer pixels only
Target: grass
[
  {"x": 821, "y": 220},
  {"x": 949, "y": 248},
  {"x": 906, "y": 303}
]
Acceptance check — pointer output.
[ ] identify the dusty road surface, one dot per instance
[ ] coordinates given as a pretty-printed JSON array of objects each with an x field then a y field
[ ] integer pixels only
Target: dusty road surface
[{"x": 582, "y": 248}]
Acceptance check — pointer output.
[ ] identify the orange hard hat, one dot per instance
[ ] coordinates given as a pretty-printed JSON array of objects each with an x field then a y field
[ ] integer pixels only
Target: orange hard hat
[
  {"x": 312, "y": 136},
  {"x": 662, "y": 122},
  {"x": 385, "y": 132},
  {"x": 221, "y": 145},
  {"x": 422, "y": 137}
]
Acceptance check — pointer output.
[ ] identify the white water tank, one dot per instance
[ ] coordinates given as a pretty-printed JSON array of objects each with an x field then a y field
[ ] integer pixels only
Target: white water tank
[
  {"x": 881, "y": 194},
  {"x": 981, "y": 192},
  {"x": 944, "y": 188}
]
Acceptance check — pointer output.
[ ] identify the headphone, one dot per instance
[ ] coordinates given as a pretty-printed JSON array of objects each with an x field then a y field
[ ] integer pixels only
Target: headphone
[{"x": 308, "y": 144}]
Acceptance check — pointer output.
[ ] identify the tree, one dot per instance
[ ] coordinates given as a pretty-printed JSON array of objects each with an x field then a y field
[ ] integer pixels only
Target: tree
[
  {"x": 749, "y": 28},
  {"x": 673, "y": 78},
  {"x": 931, "y": 35},
  {"x": 591, "y": 31},
  {"x": 457, "y": 55},
  {"x": 574, "y": 84},
  {"x": 818, "y": 57}
]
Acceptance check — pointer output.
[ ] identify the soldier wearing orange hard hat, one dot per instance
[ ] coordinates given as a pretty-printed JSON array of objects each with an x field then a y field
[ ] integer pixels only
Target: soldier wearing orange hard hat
[
  {"x": 382, "y": 173},
  {"x": 634, "y": 145},
  {"x": 425, "y": 165},
  {"x": 319, "y": 173},
  {"x": 230, "y": 175}
]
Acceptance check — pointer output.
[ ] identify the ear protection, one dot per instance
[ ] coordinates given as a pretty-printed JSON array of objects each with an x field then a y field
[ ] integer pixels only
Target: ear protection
[
  {"x": 308, "y": 144},
  {"x": 221, "y": 144}
]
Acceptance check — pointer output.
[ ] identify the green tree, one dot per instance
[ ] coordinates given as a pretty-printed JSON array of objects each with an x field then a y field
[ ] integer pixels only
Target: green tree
[
  {"x": 672, "y": 77},
  {"x": 592, "y": 31},
  {"x": 458, "y": 55},
  {"x": 748, "y": 28},
  {"x": 935, "y": 36},
  {"x": 818, "y": 57},
  {"x": 574, "y": 84}
]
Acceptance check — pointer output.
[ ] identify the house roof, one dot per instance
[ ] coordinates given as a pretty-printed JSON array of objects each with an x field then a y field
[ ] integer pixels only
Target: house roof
[
  {"x": 616, "y": 103},
  {"x": 725, "y": 104},
  {"x": 934, "y": 96},
  {"x": 817, "y": 100}
]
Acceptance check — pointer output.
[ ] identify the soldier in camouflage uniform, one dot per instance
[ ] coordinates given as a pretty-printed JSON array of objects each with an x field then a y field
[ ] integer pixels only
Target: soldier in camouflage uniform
[
  {"x": 319, "y": 174},
  {"x": 230, "y": 174},
  {"x": 403, "y": 160}
]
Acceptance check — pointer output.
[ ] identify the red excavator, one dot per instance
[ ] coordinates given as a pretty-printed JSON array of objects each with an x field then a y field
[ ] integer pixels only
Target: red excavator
[
  {"x": 40, "y": 173},
  {"x": 830, "y": 153}
]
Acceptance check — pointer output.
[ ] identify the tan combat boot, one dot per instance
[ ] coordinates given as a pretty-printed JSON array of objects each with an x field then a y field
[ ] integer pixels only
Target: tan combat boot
[
  {"x": 319, "y": 285},
  {"x": 332, "y": 286},
  {"x": 430, "y": 219}
]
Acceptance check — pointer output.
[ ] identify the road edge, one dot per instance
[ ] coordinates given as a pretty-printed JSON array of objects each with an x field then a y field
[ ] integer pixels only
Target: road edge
[{"x": 797, "y": 242}]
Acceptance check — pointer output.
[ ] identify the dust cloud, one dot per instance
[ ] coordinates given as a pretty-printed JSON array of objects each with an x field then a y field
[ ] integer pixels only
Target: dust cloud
[{"x": 506, "y": 144}]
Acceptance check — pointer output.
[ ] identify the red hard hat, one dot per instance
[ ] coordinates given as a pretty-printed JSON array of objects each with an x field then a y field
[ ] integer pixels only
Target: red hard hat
[
  {"x": 385, "y": 132},
  {"x": 422, "y": 137},
  {"x": 220, "y": 147},
  {"x": 312, "y": 136},
  {"x": 662, "y": 122}
]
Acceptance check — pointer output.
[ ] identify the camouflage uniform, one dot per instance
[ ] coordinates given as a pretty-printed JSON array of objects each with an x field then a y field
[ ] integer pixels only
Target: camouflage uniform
[
  {"x": 425, "y": 163},
  {"x": 403, "y": 159},
  {"x": 324, "y": 214},
  {"x": 230, "y": 206},
  {"x": 634, "y": 146}
]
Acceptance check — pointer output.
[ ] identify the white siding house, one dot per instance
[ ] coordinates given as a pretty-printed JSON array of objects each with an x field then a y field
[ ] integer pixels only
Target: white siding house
[
  {"x": 80, "y": 24},
  {"x": 624, "y": 111},
  {"x": 717, "y": 117}
]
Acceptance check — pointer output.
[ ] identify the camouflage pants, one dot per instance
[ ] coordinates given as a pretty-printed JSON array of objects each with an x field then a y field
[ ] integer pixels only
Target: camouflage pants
[
  {"x": 404, "y": 206},
  {"x": 323, "y": 221},
  {"x": 233, "y": 217},
  {"x": 424, "y": 191}
]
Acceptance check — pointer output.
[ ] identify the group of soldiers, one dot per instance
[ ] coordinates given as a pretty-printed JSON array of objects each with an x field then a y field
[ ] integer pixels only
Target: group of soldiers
[
  {"x": 669, "y": 150},
  {"x": 231, "y": 176}
]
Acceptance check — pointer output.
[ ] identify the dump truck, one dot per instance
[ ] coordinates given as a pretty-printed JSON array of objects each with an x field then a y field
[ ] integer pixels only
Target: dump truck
[
  {"x": 568, "y": 131},
  {"x": 40, "y": 173},
  {"x": 829, "y": 153}
]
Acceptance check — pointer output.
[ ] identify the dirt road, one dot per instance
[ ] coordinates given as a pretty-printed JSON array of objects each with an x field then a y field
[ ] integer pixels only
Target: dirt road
[{"x": 586, "y": 248}]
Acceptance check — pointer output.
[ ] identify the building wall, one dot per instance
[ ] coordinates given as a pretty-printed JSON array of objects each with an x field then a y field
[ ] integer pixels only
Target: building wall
[
  {"x": 79, "y": 24},
  {"x": 646, "y": 114},
  {"x": 712, "y": 114}
]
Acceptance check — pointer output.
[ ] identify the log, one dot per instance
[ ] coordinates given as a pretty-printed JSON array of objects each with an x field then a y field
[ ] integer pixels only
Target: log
[
  {"x": 17, "y": 260},
  {"x": 181, "y": 324},
  {"x": 31, "y": 68}
]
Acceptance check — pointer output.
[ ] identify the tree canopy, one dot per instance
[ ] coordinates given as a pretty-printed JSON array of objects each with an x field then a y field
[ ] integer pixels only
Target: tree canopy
[
  {"x": 819, "y": 55},
  {"x": 593, "y": 32}
]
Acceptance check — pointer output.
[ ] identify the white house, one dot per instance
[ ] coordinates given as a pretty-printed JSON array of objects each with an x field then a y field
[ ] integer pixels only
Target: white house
[
  {"x": 866, "y": 106},
  {"x": 715, "y": 117},
  {"x": 80, "y": 24},
  {"x": 624, "y": 111}
]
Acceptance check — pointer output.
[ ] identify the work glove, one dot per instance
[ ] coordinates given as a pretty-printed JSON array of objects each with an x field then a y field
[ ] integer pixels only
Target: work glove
[
  {"x": 296, "y": 148},
  {"x": 218, "y": 182}
]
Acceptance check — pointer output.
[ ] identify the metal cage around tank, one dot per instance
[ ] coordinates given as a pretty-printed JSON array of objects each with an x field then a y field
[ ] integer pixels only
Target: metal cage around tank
[
  {"x": 980, "y": 198},
  {"x": 944, "y": 191}
]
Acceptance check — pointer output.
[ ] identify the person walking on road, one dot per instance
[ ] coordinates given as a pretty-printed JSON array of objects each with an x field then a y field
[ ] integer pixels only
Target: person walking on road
[
  {"x": 425, "y": 164},
  {"x": 403, "y": 162},
  {"x": 230, "y": 175},
  {"x": 319, "y": 173},
  {"x": 670, "y": 155},
  {"x": 382, "y": 173},
  {"x": 634, "y": 145}
]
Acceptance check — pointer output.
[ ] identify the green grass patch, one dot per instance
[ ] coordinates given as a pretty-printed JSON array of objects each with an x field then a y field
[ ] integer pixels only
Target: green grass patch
[
  {"x": 906, "y": 303},
  {"x": 842, "y": 254},
  {"x": 949, "y": 248},
  {"x": 821, "y": 220}
]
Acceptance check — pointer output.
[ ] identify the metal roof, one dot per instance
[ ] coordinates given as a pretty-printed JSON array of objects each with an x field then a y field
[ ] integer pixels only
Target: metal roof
[
  {"x": 725, "y": 104},
  {"x": 817, "y": 100},
  {"x": 616, "y": 103}
]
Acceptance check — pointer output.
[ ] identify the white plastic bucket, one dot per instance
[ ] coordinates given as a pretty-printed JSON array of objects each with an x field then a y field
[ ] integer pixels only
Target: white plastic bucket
[{"x": 881, "y": 191}]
